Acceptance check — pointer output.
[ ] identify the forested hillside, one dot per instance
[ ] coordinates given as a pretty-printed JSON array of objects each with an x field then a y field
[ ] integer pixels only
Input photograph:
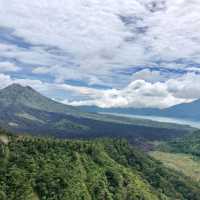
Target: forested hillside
[
  {"x": 189, "y": 144},
  {"x": 181, "y": 154},
  {"x": 47, "y": 169}
]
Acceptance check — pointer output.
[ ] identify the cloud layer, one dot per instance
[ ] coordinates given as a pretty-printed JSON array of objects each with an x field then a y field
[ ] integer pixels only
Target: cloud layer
[{"x": 107, "y": 53}]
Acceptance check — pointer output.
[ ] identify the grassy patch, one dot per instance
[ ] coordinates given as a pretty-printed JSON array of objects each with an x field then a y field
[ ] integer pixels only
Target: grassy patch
[
  {"x": 4, "y": 139},
  {"x": 187, "y": 164}
]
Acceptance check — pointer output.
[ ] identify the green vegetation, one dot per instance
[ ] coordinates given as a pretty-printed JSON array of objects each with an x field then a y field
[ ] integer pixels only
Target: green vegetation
[
  {"x": 184, "y": 163},
  {"x": 65, "y": 124},
  {"x": 48, "y": 169},
  {"x": 29, "y": 117},
  {"x": 189, "y": 144},
  {"x": 181, "y": 154}
]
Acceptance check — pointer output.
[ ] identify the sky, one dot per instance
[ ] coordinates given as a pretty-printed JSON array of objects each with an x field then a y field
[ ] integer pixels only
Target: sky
[{"x": 111, "y": 53}]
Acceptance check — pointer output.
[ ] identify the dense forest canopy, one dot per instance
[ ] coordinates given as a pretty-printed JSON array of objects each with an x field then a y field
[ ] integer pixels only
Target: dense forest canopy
[{"x": 104, "y": 169}]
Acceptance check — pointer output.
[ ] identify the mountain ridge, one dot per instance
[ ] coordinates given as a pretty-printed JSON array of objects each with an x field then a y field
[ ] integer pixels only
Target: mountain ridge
[
  {"x": 26, "y": 95},
  {"x": 24, "y": 110},
  {"x": 190, "y": 111}
]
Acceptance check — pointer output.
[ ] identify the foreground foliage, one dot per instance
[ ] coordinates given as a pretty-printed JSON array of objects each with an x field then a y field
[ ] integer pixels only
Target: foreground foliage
[{"x": 48, "y": 169}]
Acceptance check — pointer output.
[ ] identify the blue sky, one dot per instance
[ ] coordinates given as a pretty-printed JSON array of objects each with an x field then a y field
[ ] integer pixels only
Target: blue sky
[{"x": 113, "y": 53}]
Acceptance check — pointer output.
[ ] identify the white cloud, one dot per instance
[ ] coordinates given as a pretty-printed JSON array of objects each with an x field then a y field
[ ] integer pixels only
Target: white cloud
[
  {"x": 186, "y": 86},
  {"x": 140, "y": 93},
  {"x": 100, "y": 42},
  {"x": 137, "y": 94},
  {"x": 193, "y": 69},
  {"x": 71, "y": 73},
  {"x": 147, "y": 75},
  {"x": 8, "y": 67},
  {"x": 5, "y": 80}
]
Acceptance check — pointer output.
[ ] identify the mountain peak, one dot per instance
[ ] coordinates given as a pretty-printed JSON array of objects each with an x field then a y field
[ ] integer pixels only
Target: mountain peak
[
  {"x": 16, "y": 90},
  {"x": 18, "y": 96},
  {"x": 17, "y": 87}
]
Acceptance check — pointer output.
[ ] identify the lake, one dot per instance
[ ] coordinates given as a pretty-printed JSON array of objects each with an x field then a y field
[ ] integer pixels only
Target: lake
[{"x": 195, "y": 124}]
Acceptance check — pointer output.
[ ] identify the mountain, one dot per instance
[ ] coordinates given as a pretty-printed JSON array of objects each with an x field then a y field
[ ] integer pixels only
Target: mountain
[
  {"x": 128, "y": 110},
  {"x": 41, "y": 169},
  {"x": 185, "y": 110},
  {"x": 19, "y": 96},
  {"x": 190, "y": 111},
  {"x": 24, "y": 110}
]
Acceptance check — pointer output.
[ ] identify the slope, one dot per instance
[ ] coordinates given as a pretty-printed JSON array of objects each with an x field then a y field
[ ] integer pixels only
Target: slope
[
  {"x": 185, "y": 110},
  {"x": 17, "y": 95},
  {"x": 23, "y": 109},
  {"x": 181, "y": 154},
  {"x": 190, "y": 111},
  {"x": 102, "y": 169}
]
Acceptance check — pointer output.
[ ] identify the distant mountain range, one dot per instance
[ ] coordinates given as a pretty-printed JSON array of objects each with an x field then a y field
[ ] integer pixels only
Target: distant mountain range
[
  {"x": 24, "y": 110},
  {"x": 190, "y": 111}
]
